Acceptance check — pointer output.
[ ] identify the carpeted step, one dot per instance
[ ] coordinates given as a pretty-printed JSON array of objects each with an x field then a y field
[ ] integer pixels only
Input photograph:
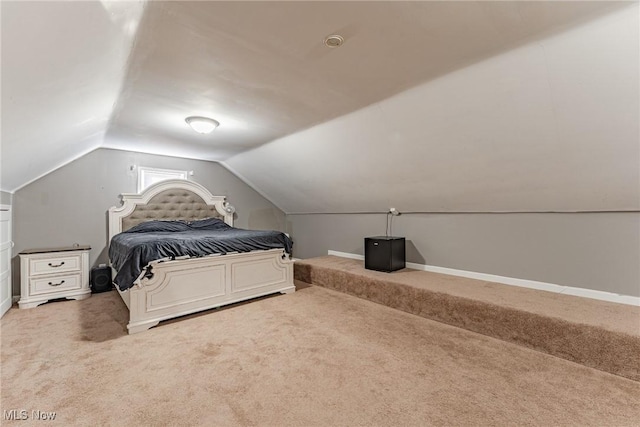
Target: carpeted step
[{"x": 595, "y": 333}]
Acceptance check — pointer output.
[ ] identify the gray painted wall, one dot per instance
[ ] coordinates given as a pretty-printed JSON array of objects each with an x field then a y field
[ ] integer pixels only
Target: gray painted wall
[
  {"x": 70, "y": 204},
  {"x": 5, "y": 198},
  {"x": 588, "y": 250}
]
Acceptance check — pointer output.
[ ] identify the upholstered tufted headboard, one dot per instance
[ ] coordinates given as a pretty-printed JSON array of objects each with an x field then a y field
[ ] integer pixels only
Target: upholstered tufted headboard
[
  {"x": 167, "y": 200},
  {"x": 175, "y": 204}
]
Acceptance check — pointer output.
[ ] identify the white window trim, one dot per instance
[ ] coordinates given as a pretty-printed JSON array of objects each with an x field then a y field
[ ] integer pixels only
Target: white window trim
[{"x": 150, "y": 176}]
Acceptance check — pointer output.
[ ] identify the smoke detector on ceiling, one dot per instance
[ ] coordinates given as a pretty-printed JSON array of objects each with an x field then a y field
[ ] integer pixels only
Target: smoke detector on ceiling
[{"x": 333, "y": 40}]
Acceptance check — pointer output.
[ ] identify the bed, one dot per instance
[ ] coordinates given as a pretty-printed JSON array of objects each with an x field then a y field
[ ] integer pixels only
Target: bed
[{"x": 173, "y": 286}]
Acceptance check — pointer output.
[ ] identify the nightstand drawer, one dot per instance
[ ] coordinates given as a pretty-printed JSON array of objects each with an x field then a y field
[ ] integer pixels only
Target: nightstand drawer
[
  {"x": 54, "y": 265},
  {"x": 54, "y": 273},
  {"x": 50, "y": 284}
]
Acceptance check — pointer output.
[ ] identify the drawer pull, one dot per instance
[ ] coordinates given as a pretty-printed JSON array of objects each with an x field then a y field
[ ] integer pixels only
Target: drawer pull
[
  {"x": 56, "y": 284},
  {"x": 56, "y": 265}
]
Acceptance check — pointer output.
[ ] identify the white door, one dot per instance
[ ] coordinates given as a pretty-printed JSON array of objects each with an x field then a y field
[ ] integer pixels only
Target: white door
[{"x": 5, "y": 258}]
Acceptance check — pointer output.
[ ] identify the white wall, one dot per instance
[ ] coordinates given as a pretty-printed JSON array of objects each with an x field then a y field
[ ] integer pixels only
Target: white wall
[
  {"x": 5, "y": 198},
  {"x": 550, "y": 126}
]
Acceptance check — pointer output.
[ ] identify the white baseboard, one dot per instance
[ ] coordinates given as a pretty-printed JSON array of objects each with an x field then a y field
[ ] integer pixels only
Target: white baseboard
[{"x": 532, "y": 284}]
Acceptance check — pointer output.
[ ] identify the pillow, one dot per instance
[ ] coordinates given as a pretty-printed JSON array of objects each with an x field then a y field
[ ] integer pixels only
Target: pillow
[
  {"x": 209, "y": 224},
  {"x": 162, "y": 226}
]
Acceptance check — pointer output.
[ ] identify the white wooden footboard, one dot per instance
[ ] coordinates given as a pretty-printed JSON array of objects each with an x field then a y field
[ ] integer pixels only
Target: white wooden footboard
[{"x": 189, "y": 285}]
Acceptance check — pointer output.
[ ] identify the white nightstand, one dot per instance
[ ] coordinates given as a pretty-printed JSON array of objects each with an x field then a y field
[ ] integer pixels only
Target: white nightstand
[{"x": 47, "y": 274}]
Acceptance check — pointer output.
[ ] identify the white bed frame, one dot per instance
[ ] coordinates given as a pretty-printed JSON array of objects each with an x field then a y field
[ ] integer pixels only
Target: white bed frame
[{"x": 183, "y": 286}]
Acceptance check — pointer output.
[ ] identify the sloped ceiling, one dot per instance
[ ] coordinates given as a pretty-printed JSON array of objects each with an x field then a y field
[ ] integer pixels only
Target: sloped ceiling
[
  {"x": 308, "y": 125},
  {"x": 63, "y": 64},
  {"x": 550, "y": 126}
]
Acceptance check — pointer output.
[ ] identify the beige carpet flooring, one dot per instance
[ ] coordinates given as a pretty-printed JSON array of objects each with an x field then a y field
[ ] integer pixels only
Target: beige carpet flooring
[
  {"x": 315, "y": 357},
  {"x": 595, "y": 333}
]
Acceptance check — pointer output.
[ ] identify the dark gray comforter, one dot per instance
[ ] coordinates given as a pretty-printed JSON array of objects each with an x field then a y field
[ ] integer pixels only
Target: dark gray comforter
[{"x": 132, "y": 250}]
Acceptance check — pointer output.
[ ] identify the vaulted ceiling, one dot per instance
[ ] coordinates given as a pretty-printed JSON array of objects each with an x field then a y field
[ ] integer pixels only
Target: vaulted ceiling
[{"x": 418, "y": 90}]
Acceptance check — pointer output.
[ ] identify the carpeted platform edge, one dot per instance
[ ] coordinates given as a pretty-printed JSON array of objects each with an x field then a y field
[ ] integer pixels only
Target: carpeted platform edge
[{"x": 598, "y": 348}]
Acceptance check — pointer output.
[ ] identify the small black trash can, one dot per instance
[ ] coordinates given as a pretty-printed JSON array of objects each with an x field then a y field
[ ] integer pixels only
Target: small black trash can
[{"x": 101, "y": 279}]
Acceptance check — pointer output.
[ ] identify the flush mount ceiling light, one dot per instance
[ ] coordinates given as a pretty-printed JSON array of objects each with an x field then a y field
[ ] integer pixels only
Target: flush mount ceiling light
[
  {"x": 202, "y": 124},
  {"x": 333, "y": 40}
]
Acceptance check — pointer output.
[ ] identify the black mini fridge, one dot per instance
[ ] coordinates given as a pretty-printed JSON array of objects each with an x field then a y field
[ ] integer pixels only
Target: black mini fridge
[{"x": 384, "y": 253}]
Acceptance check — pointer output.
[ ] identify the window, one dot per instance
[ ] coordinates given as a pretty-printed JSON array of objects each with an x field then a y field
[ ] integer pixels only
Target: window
[{"x": 150, "y": 176}]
